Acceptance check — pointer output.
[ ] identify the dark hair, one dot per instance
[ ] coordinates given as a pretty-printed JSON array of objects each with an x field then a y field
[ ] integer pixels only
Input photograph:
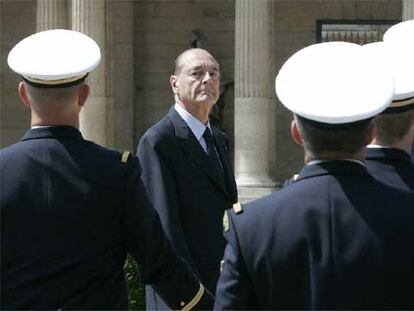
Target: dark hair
[
  {"x": 392, "y": 127},
  {"x": 342, "y": 138}
]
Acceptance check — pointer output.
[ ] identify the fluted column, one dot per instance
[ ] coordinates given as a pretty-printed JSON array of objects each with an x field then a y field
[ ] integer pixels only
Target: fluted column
[
  {"x": 51, "y": 14},
  {"x": 252, "y": 98},
  {"x": 407, "y": 9},
  {"x": 89, "y": 17}
]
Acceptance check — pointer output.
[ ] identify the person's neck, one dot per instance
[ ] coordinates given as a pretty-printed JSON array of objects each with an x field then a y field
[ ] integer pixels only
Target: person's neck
[
  {"x": 200, "y": 112},
  {"x": 55, "y": 121}
]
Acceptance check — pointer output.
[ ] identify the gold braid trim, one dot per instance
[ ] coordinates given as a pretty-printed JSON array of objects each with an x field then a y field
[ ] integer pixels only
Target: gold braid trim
[
  {"x": 55, "y": 82},
  {"x": 195, "y": 300},
  {"x": 402, "y": 102}
]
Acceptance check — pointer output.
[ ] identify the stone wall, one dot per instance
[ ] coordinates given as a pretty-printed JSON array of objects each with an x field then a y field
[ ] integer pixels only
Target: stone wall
[{"x": 17, "y": 20}]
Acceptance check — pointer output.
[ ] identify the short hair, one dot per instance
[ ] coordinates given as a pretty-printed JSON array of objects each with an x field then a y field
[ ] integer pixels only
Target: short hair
[
  {"x": 178, "y": 63},
  {"x": 348, "y": 138},
  {"x": 392, "y": 127},
  {"x": 42, "y": 97}
]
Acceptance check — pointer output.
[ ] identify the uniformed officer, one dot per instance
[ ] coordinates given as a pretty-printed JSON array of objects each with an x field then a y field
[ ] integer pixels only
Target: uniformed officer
[
  {"x": 71, "y": 209},
  {"x": 388, "y": 156},
  {"x": 336, "y": 237}
]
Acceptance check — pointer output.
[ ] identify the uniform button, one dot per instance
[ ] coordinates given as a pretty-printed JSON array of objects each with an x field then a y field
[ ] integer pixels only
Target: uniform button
[{"x": 182, "y": 303}]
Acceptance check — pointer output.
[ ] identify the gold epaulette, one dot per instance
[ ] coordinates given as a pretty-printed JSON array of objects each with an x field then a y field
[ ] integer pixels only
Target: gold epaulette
[
  {"x": 193, "y": 301},
  {"x": 226, "y": 225},
  {"x": 237, "y": 208},
  {"x": 125, "y": 156}
]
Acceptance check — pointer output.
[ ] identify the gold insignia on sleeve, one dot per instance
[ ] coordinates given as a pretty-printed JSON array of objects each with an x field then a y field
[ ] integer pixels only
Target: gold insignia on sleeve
[
  {"x": 237, "y": 208},
  {"x": 125, "y": 156},
  {"x": 195, "y": 299},
  {"x": 226, "y": 225}
]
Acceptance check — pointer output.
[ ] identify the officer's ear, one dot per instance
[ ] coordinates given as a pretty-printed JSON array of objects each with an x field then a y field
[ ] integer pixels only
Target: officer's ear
[
  {"x": 295, "y": 133},
  {"x": 83, "y": 94},
  {"x": 174, "y": 84},
  {"x": 23, "y": 94}
]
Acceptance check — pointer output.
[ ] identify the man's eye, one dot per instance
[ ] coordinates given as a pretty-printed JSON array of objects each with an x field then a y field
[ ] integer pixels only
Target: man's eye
[{"x": 196, "y": 74}]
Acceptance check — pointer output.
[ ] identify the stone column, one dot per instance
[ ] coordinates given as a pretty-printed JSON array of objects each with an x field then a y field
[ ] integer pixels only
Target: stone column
[
  {"x": 89, "y": 17},
  {"x": 51, "y": 14},
  {"x": 253, "y": 81},
  {"x": 407, "y": 9}
]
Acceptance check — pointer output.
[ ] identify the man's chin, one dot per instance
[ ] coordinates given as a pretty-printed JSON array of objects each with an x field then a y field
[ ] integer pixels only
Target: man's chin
[{"x": 206, "y": 99}]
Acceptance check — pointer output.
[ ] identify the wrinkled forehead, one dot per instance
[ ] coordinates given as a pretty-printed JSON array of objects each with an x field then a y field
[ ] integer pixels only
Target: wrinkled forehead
[{"x": 194, "y": 60}]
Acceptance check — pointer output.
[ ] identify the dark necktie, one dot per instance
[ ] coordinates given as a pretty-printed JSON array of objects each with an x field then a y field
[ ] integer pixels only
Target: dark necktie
[{"x": 212, "y": 154}]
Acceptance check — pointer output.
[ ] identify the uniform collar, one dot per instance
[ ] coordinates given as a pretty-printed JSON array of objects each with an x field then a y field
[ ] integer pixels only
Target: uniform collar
[
  {"x": 334, "y": 167},
  {"x": 52, "y": 131},
  {"x": 387, "y": 153}
]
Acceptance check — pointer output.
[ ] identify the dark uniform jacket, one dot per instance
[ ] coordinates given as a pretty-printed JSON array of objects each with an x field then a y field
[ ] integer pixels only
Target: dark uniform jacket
[
  {"x": 392, "y": 166},
  {"x": 335, "y": 238},
  {"x": 70, "y": 212},
  {"x": 187, "y": 194}
]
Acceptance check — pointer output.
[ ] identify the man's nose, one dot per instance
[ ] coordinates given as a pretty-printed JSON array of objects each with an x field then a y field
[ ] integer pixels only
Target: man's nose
[{"x": 207, "y": 78}]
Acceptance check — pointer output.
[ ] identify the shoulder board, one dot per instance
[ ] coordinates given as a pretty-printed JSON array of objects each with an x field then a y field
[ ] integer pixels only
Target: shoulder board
[
  {"x": 237, "y": 208},
  {"x": 125, "y": 156},
  {"x": 226, "y": 225}
]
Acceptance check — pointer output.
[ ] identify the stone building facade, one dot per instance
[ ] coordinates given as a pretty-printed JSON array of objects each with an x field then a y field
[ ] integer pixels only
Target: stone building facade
[{"x": 140, "y": 40}]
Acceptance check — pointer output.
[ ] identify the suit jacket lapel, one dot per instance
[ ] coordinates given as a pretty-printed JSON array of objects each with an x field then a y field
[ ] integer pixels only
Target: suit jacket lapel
[
  {"x": 192, "y": 147},
  {"x": 227, "y": 167}
]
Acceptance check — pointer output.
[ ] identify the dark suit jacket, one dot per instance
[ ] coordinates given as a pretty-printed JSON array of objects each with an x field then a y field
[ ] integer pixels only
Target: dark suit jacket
[
  {"x": 70, "y": 212},
  {"x": 187, "y": 195},
  {"x": 392, "y": 166},
  {"x": 335, "y": 238}
]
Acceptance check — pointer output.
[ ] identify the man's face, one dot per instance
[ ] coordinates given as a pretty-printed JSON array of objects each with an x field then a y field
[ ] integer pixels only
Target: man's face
[{"x": 198, "y": 82}]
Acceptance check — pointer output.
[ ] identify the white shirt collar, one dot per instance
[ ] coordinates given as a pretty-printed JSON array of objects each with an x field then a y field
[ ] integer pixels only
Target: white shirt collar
[
  {"x": 41, "y": 126},
  {"x": 196, "y": 126},
  {"x": 324, "y": 161},
  {"x": 376, "y": 146}
]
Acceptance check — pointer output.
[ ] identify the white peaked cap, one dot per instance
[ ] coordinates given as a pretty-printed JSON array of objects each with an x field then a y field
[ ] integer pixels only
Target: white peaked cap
[
  {"x": 334, "y": 83},
  {"x": 399, "y": 42},
  {"x": 401, "y": 33},
  {"x": 401, "y": 65},
  {"x": 54, "y": 57}
]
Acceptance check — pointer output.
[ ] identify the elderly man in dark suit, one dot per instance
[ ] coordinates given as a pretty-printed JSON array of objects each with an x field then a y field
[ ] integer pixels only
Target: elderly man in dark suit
[
  {"x": 71, "y": 209},
  {"x": 335, "y": 238},
  {"x": 187, "y": 171},
  {"x": 388, "y": 156}
]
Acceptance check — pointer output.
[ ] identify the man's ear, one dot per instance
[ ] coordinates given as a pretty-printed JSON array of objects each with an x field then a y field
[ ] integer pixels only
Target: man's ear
[
  {"x": 83, "y": 94},
  {"x": 23, "y": 94},
  {"x": 294, "y": 132},
  {"x": 173, "y": 83}
]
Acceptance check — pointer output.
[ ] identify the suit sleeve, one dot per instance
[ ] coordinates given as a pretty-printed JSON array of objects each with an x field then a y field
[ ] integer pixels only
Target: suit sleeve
[
  {"x": 234, "y": 288},
  {"x": 146, "y": 242},
  {"x": 162, "y": 191}
]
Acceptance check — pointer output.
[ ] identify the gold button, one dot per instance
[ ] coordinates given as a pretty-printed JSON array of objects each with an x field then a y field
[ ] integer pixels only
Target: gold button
[{"x": 182, "y": 303}]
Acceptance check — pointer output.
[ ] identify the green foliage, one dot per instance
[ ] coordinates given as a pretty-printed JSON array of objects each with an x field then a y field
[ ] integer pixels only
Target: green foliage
[{"x": 136, "y": 290}]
